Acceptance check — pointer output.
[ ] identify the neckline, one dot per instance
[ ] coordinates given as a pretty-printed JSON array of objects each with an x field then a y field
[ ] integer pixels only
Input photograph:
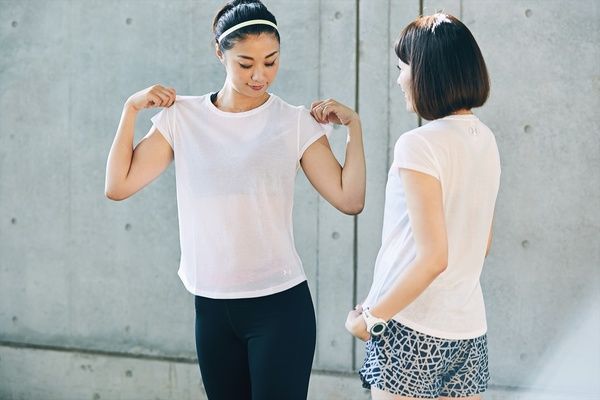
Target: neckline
[
  {"x": 258, "y": 109},
  {"x": 461, "y": 117}
]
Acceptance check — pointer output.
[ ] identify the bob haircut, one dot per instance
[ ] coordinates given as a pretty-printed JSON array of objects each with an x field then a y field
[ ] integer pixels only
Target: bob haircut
[
  {"x": 447, "y": 68},
  {"x": 238, "y": 11}
]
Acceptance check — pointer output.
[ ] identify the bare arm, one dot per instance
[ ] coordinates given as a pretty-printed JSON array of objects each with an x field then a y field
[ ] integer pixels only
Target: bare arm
[
  {"x": 490, "y": 238},
  {"x": 426, "y": 214},
  {"x": 129, "y": 169},
  {"x": 342, "y": 186}
]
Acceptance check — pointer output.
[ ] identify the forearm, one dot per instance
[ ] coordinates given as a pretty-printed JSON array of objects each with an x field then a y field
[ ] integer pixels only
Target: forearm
[
  {"x": 121, "y": 151},
  {"x": 353, "y": 172},
  {"x": 418, "y": 276}
]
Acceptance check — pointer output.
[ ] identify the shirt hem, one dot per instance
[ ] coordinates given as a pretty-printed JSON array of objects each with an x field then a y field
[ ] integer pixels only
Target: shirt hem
[
  {"x": 242, "y": 295},
  {"x": 441, "y": 334}
]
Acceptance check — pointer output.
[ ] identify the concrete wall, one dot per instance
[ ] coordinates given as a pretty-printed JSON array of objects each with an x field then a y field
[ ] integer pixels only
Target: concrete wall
[{"x": 90, "y": 304}]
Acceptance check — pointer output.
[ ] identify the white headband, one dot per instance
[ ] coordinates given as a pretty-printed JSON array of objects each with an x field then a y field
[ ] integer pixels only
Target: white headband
[{"x": 244, "y": 24}]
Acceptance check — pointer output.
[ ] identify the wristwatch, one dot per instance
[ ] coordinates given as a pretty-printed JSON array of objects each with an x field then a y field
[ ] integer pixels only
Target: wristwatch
[{"x": 375, "y": 326}]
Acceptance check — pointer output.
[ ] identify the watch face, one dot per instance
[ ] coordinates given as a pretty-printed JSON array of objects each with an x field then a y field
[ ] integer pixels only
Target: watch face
[{"x": 378, "y": 329}]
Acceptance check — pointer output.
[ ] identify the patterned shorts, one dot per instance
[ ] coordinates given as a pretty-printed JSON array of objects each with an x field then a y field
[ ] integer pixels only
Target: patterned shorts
[{"x": 405, "y": 362}]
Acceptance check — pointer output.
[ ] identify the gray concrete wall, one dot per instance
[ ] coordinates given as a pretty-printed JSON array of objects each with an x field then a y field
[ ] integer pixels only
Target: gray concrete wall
[{"x": 90, "y": 304}]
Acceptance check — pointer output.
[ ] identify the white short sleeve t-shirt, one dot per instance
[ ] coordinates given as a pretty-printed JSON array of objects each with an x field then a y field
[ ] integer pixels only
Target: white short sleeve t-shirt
[
  {"x": 461, "y": 152},
  {"x": 235, "y": 176}
]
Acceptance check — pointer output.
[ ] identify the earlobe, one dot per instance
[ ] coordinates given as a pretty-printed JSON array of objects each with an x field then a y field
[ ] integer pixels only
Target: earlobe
[{"x": 219, "y": 54}]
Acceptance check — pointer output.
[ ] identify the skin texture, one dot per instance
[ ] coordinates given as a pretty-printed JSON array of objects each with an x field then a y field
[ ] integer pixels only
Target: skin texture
[{"x": 251, "y": 67}]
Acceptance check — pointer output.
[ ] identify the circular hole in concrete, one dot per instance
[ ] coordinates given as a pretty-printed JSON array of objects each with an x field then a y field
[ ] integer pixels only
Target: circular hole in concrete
[
  {"x": 527, "y": 128},
  {"x": 14, "y": 24},
  {"x": 528, "y": 13},
  {"x": 128, "y": 373},
  {"x": 128, "y": 21},
  {"x": 96, "y": 396},
  {"x": 127, "y": 227},
  {"x": 13, "y": 221},
  {"x": 15, "y": 319},
  {"x": 338, "y": 15},
  {"x": 525, "y": 244},
  {"x": 335, "y": 235}
]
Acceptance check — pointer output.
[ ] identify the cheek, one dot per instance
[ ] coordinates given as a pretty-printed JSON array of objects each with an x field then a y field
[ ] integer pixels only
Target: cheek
[
  {"x": 272, "y": 72},
  {"x": 238, "y": 74},
  {"x": 405, "y": 83}
]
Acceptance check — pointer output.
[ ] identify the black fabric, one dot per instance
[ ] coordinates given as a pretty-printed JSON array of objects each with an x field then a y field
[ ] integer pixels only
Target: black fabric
[{"x": 257, "y": 348}]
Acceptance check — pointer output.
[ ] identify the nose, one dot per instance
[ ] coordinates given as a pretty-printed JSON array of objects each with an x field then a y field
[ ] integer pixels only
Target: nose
[{"x": 258, "y": 74}]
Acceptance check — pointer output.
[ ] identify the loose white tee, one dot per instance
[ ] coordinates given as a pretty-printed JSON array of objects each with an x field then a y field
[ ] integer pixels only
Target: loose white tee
[
  {"x": 461, "y": 152},
  {"x": 235, "y": 176}
]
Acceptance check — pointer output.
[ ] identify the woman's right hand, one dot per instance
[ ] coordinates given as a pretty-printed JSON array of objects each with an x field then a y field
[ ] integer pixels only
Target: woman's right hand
[{"x": 152, "y": 97}]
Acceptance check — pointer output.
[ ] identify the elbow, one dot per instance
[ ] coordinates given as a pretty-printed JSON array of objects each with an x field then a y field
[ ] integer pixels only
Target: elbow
[
  {"x": 440, "y": 264},
  {"x": 352, "y": 206},
  {"x": 437, "y": 263},
  {"x": 111, "y": 195},
  {"x": 352, "y": 209},
  {"x": 114, "y": 194}
]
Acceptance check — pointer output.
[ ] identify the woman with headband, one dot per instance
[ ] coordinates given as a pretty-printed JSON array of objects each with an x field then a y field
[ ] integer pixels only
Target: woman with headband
[
  {"x": 237, "y": 153},
  {"x": 424, "y": 317}
]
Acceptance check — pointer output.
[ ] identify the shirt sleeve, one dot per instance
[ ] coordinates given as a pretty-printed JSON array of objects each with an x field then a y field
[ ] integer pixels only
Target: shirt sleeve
[
  {"x": 164, "y": 121},
  {"x": 309, "y": 131},
  {"x": 413, "y": 152}
]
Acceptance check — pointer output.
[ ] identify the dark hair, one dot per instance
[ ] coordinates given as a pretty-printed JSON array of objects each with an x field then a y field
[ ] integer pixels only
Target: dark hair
[
  {"x": 448, "y": 70},
  {"x": 238, "y": 11}
]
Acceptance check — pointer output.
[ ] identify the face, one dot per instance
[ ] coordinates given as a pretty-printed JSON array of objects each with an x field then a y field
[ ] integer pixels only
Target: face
[
  {"x": 251, "y": 64},
  {"x": 404, "y": 81}
]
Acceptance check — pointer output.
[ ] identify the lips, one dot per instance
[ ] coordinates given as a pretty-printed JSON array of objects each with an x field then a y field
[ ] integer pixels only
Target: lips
[{"x": 257, "y": 88}]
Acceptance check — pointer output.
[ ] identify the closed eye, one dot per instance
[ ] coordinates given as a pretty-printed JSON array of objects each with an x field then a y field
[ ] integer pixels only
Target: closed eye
[
  {"x": 245, "y": 66},
  {"x": 270, "y": 64}
]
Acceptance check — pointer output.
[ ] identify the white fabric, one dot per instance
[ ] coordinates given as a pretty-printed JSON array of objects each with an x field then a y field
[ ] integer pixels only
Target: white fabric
[
  {"x": 245, "y": 24},
  {"x": 235, "y": 177},
  {"x": 461, "y": 152}
]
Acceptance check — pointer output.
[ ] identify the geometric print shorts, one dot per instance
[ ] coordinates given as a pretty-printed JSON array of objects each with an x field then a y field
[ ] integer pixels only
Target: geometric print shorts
[{"x": 405, "y": 362}]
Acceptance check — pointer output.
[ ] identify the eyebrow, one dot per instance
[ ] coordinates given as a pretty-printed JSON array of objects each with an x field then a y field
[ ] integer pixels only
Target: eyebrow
[{"x": 250, "y": 58}]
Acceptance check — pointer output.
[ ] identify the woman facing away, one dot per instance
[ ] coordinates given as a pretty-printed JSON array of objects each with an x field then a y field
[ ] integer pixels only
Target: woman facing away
[
  {"x": 424, "y": 318},
  {"x": 237, "y": 153}
]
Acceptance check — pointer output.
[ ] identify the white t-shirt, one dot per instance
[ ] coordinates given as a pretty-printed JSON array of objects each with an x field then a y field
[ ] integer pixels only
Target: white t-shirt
[
  {"x": 461, "y": 152},
  {"x": 235, "y": 176}
]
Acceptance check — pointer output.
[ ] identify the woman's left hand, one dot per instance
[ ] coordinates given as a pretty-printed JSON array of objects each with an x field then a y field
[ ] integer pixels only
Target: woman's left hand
[
  {"x": 331, "y": 111},
  {"x": 356, "y": 325}
]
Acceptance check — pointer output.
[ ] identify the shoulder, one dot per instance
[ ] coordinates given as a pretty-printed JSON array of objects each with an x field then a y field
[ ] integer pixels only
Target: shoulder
[
  {"x": 414, "y": 138},
  {"x": 291, "y": 109},
  {"x": 189, "y": 102},
  {"x": 431, "y": 134}
]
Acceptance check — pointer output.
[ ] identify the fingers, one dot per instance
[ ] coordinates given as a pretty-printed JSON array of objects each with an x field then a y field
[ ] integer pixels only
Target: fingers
[
  {"x": 316, "y": 103},
  {"x": 321, "y": 110},
  {"x": 161, "y": 96},
  {"x": 316, "y": 110},
  {"x": 153, "y": 100}
]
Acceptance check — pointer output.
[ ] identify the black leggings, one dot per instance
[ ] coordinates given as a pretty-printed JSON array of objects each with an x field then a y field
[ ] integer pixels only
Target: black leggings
[{"x": 258, "y": 348}]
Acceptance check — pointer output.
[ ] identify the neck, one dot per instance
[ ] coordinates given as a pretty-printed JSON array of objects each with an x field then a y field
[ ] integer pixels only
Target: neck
[
  {"x": 464, "y": 111},
  {"x": 230, "y": 100}
]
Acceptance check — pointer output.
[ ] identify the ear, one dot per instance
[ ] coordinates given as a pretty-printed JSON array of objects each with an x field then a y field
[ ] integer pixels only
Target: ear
[{"x": 219, "y": 54}]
